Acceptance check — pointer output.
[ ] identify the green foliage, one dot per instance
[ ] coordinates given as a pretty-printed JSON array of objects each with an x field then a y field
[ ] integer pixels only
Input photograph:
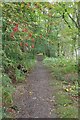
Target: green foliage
[
  {"x": 46, "y": 23},
  {"x": 62, "y": 67},
  {"x": 8, "y": 90},
  {"x": 33, "y": 27},
  {"x": 66, "y": 105},
  {"x": 19, "y": 75},
  {"x": 68, "y": 112},
  {"x": 65, "y": 84},
  {"x": 64, "y": 100}
]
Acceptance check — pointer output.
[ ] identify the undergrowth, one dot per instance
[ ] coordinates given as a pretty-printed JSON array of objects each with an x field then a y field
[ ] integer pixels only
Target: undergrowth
[
  {"x": 15, "y": 67},
  {"x": 65, "y": 85}
]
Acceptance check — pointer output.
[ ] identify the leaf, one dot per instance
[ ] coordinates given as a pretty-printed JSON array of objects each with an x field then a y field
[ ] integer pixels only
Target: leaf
[
  {"x": 22, "y": 5},
  {"x": 30, "y": 93},
  {"x": 67, "y": 90}
]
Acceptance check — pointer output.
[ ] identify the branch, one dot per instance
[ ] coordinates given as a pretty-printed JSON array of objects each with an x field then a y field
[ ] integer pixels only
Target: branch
[
  {"x": 70, "y": 16},
  {"x": 72, "y": 20},
  {"x": 66, "y": 21}
]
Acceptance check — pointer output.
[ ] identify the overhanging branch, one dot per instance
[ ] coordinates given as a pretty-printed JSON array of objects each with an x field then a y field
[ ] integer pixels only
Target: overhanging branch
[
  {"x": 71, "y": 18},
  {"x": 66, "y": 21},
  {"x": 76, "y": 24}
]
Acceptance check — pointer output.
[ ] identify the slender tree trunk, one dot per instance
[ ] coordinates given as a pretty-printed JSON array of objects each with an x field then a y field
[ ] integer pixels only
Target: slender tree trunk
[
  {"x": 58, "y": 49},
  {"x": 76, "y": 55},
  {"x": 78, "y": 20}
]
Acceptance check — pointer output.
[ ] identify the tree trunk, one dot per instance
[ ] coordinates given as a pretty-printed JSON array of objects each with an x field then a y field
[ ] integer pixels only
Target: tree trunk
[
  {"x": 78, "y": 19},
  {"x": 58, "y": 49}
]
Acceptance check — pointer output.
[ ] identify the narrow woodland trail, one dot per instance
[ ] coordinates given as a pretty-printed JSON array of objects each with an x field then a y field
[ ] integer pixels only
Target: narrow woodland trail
[{"x": 35, "y": 98}]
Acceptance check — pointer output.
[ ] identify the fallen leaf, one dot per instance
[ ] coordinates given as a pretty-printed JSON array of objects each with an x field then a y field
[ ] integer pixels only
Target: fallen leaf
[
  {"x": 21, "y": 93},
  {"x": 30, "y": 93},
  {"x": 67, "y": 90}
]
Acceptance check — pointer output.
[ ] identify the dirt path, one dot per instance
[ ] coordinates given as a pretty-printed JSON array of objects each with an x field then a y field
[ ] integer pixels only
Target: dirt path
[{"x": 35, "y": 98}]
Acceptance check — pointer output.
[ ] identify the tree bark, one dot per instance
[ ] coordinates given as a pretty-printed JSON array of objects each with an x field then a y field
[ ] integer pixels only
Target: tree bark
[
  {"x": 78, "y": 20},
  {"x": 58, "y": 49}
]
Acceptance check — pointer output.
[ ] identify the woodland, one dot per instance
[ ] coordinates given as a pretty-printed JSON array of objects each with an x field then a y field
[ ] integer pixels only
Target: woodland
[{"x": 48, "y": 29}]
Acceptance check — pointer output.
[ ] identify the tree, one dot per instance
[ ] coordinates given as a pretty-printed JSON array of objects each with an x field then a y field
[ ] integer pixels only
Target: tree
[{"x": 78, "y": 21}]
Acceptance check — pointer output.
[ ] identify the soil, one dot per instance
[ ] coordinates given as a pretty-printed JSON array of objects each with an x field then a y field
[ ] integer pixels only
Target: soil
[{"x": 35, "y": 98}]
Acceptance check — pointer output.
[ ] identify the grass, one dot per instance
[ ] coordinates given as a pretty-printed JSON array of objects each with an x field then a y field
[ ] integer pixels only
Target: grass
[
  {"x": 65, "y": 86},
  {"x": 68, "y": 112},
  {"x": 66, "y": 107}
]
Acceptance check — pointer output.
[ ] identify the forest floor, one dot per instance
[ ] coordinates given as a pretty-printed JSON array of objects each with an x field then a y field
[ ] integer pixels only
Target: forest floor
[{"x": 35, "y": 98}]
